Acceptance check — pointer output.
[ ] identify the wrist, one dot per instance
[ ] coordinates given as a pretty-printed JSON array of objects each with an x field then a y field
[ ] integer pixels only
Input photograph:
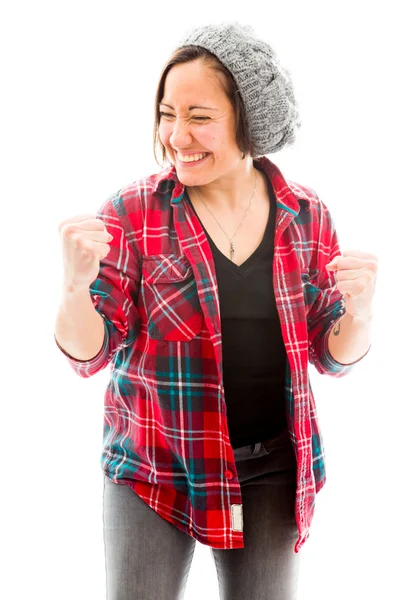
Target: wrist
[{"x": 69, "y": 287}]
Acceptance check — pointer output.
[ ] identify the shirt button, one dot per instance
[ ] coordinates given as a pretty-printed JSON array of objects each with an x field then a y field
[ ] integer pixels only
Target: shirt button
[{"x": 228, "y": 474}]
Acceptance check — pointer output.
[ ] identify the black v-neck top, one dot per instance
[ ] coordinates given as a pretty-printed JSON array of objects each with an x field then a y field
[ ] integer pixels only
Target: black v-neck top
[{"x": 254, "y": 355}]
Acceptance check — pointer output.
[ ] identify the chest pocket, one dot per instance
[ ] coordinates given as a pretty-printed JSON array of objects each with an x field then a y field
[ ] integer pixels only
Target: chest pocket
[{"x": 170, "y": 298}]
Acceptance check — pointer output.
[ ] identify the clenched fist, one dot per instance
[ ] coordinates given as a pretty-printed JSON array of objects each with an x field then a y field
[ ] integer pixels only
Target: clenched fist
[{"x": 84, "y": 243}]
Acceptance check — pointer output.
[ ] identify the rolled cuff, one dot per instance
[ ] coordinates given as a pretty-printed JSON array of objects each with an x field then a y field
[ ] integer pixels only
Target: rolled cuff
[
  {"x": 330, "y": 363},
  {"x": 86, "y": 368}
]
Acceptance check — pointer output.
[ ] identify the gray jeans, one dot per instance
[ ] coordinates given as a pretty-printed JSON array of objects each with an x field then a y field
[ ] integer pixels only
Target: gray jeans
[{"x": 148, "y": 558}]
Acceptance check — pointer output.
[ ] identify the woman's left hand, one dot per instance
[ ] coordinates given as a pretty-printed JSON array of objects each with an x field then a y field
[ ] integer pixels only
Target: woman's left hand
[{"x": 356, "y": 274}]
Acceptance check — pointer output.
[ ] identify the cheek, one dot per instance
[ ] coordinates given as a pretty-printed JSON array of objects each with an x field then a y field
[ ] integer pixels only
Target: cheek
[
  {"x": 205, "y": 135},
  {"x": 165, "y": 132}
]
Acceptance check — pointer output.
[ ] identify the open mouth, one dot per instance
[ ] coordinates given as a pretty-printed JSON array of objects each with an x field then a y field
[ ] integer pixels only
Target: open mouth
[{"x": 192, "y": 163}]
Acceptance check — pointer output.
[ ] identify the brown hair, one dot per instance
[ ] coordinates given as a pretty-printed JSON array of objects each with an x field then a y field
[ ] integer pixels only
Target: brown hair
[{"x": 188, "y": 54}]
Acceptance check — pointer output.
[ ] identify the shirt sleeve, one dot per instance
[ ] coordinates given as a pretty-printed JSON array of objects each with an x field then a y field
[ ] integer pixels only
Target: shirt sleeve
[
  {"x": 329, "y": 305},
  {"x": 113, "y": 293}
]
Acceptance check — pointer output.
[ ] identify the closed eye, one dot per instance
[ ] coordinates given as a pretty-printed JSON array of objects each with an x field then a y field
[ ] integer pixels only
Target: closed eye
[{"x": 164, "y": 114}]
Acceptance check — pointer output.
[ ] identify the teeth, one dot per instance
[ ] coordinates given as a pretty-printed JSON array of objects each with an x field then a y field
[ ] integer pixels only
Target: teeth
[{"x": 192, "y": 158}]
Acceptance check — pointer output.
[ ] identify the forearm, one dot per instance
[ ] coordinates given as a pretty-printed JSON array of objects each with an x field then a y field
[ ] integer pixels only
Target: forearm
[
  {"x": 350, "y": 339},
  {"x": 79, "y": 328}
]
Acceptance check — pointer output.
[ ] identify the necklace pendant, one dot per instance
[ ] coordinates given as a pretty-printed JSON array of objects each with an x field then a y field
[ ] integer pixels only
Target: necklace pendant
[{"x": 232, "y": 250}]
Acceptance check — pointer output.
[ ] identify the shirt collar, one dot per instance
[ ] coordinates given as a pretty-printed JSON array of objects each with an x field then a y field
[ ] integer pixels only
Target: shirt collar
[{"x": 288, "y": 193}]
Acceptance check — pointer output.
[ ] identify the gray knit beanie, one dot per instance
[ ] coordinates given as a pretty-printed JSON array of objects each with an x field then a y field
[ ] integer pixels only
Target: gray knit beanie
[{"x": 265, "y": 86}]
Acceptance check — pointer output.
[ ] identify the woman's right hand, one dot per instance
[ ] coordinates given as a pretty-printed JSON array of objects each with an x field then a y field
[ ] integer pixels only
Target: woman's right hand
[{"x": 84, "y": 243}]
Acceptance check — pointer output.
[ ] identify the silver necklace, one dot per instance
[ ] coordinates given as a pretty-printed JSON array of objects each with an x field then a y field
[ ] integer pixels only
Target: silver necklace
[{"x": 232, "y": 246}]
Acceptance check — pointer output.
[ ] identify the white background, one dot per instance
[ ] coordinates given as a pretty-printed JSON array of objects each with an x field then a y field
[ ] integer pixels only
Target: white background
[{"x": 77, "y": 104}]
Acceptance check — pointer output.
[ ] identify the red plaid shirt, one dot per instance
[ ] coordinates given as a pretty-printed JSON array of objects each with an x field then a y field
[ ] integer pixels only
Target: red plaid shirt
[{"x": 165, "y": 420}]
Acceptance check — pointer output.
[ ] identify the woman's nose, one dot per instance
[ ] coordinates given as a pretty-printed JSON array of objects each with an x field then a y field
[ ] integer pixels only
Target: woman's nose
[{"x": 180, "y": 135}]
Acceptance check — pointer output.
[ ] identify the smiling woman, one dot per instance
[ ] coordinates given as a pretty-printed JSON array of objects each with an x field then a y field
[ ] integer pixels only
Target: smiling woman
[
  {"x": 204, "y": 128},
  {"x": 187, "y": 133},
  {"x": 215, "y": 297},
  {"x": 188, "y": 54}
]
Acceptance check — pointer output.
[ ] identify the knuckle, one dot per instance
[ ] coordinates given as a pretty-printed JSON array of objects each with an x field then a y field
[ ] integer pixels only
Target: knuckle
[
  {"x": 373, "y": 264},
  {"x": 81, "y": 243},
  {"x": 69, "y": 230}
]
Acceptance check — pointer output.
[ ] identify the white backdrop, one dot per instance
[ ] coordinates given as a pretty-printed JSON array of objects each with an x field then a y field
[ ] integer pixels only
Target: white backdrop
[{"x": 79, "y": 80}]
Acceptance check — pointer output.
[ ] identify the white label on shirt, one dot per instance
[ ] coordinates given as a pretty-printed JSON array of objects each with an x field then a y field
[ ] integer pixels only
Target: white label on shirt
[{"x": 237, "y": 517}]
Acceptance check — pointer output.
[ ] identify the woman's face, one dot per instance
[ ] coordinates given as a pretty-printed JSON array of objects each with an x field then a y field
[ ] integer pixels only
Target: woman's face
[{"x": 210, "y": 129}]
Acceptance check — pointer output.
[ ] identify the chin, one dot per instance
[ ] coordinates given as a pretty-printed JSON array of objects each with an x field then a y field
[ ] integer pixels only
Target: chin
[
  {"x": 192, "y": 180},
  {"x": 201, "y": 176}
]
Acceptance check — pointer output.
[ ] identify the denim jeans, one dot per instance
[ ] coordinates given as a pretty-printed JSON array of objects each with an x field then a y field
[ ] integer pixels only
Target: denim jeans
[{"x": 148, "y": 558}]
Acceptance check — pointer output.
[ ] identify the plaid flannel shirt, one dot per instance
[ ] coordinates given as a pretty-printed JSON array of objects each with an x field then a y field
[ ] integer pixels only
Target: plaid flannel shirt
[{"x": 165, "y": 421}]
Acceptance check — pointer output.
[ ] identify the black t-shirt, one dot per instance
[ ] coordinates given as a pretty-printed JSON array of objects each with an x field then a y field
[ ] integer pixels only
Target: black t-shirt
[{"x": 253, "y": 351}]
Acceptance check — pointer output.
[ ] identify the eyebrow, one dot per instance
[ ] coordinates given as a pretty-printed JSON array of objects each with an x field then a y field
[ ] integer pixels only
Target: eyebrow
[{"x": 190, "y": 107}]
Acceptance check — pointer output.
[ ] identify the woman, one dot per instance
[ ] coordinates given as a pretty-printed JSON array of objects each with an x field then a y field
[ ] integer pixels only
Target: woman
[{"x": 210, "y": 299}]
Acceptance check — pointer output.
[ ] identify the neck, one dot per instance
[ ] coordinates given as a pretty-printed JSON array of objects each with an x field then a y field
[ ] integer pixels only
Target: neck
[{"x": 232, "y": 191}]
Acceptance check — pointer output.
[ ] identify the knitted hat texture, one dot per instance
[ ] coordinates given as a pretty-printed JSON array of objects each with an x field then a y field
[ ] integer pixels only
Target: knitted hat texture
[{"x": 265, "y": 85}]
